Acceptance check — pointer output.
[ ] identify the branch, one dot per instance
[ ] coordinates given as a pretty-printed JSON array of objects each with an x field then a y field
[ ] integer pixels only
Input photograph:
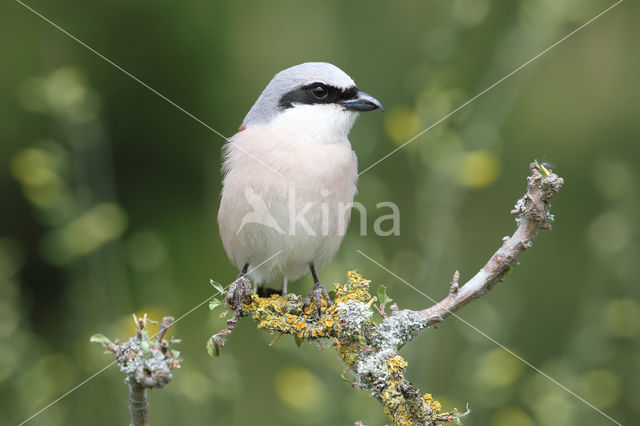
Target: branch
[
  {"x": 532, "y": 214},
  {"x": 370, "y": 348},
  {"x": 138, "y": 404}
]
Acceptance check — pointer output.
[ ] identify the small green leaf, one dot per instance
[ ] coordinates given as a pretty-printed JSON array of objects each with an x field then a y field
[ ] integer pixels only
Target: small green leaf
[
  {"x": 212, "y": 348},
  {"x": 217, "y": 286},
  {"x": 299, "y": 341},
  {"x": 145, "y": 347},
  {"x": 214, "y": 303},
  {"x": 508, "y": 272},
  {"x": 174, "y": 353},
  {"x": 102, "y": 339},
  {"x": 223, "y": 314},
  {"x": 383, "y": 298},
  {"x": 214, "y": 344},
  {"x": 382, "y": 295},
  {"x": 541, "y": 167},
  {"x": 332, "y": 294}
]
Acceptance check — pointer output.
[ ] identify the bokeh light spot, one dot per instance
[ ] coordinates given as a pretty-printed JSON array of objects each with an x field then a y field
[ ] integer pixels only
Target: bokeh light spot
[
  {"x": 498, "y": 368},
  {"x": 401, "y": 124},
  {"x": 609, "y": 233},
  {"x": 63, "y": 92},
  {"x": 553, "y": 409},
  {"x": 146, "y": 251},
  {"x": 511, "y": 416},
  {"x": 92, "y": 230},
  {"x": 622, "y": 318},
  {"x": 613, "y": 178},
  {"x": 479, "y": 168},
  {"x": 602, "y": 388},
  {"x": 471, "y": 12},
  {"x": 34, "y": 168},
  {"x": 298, "y": 388}
]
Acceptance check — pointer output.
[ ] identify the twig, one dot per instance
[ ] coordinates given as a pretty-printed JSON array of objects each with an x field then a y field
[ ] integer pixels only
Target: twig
[
  {"x": 138, "y": 404},
  {"x": 532, "y": 212}
]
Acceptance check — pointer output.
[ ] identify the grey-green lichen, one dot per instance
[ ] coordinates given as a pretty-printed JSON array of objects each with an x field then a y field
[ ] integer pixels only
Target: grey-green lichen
[
  {"x": 145, "y": 360},
  {"x": 397, "y": 330},
  {"x": 354, "y": 317}
]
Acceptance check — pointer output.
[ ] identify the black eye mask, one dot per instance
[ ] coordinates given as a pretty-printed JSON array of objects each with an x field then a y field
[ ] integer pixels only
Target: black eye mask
[{"x": 317, "y": 93}]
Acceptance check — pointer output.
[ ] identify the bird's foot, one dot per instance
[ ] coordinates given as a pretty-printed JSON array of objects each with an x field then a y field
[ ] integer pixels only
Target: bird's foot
[
  {"x": 318, "y": 295},
  {"x": 239, "y": 292}
]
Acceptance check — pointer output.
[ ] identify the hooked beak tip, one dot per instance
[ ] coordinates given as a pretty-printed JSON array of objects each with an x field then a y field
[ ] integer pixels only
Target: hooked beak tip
[{"x": 363, "y": 102}]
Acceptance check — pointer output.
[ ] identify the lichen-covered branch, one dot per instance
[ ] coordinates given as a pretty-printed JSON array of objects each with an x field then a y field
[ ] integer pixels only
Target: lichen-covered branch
[
  {"x": 532, "y": 214},
  {"x": 146, "y": 360},
  {"x": 368, "y": 344}
]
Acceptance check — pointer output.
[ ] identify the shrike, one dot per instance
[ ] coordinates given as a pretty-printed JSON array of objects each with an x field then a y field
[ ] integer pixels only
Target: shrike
[{"x": 290, "y": 176}]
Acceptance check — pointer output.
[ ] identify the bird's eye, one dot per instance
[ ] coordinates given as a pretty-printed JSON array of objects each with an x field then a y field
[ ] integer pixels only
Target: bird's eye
[{"x": 319, "y": 92}]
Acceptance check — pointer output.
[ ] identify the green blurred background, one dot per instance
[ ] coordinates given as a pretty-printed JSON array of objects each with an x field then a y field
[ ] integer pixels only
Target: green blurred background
[{"x": 109, "y": 196}]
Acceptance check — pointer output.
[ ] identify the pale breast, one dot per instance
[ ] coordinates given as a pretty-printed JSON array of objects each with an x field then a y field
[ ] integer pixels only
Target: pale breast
[{"x": 302, "y": 210}]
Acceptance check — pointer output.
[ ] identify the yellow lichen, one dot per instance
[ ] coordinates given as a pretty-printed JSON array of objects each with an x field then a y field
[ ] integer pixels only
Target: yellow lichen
[
  {"x": 396, "y": 364},
  {"x": 433, "y": 404}
]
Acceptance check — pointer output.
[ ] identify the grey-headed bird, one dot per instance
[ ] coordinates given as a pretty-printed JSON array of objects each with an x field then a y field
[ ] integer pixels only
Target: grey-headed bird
[{"x": 290, "y": 176}]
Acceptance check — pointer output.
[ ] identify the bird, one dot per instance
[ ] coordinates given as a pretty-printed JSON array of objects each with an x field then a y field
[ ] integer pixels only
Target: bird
[{"x": 289, "y": 176}]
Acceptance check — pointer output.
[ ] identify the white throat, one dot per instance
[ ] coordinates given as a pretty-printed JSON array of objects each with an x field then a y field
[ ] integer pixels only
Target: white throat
[{"x": 317, "y": 123}]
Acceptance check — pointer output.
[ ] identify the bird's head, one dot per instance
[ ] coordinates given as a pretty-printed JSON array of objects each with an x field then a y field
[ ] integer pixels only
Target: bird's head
[{"x": 315, "y": 99}]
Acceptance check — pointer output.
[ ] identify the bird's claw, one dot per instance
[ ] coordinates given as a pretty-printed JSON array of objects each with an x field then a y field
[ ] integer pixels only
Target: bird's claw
[
  {"x": 317, "y": 295},
  {"x": 239, "y": 292}
]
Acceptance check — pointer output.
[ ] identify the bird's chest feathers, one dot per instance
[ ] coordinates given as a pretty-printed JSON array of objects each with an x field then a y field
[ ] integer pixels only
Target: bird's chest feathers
[
  {"x": 312, "y": 168},
  {"x": 308, "y": 192},
  {"x": 317, "y": 173}
]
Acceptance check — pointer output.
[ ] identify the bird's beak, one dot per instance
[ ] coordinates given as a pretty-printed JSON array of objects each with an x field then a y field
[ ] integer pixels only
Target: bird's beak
[{"x": 362, "y": 102}]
